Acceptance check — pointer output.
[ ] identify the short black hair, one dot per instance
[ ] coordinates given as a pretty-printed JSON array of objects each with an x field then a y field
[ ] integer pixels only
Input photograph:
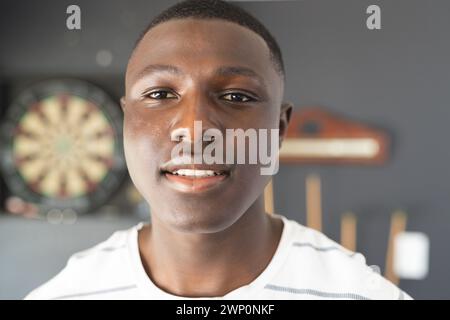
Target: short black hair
[{"x": 218, "y": 9}]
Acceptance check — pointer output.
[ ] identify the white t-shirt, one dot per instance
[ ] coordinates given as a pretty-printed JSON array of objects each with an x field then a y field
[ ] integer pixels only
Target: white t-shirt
[{"x": 306, "y": 265}]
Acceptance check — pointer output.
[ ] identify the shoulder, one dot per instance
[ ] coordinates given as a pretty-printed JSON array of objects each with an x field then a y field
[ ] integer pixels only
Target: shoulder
[
  {"x": 324, "y": 267},
  {"x": 98, "y": 268}
]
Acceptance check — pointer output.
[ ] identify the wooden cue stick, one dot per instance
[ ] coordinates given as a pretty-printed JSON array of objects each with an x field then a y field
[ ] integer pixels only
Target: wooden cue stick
[
  {"x": 398, "y": 225},
  {"x": 348, "y": 231},
  {"x": 313, "y": 202},
  {"x": 268, "y": 198}
]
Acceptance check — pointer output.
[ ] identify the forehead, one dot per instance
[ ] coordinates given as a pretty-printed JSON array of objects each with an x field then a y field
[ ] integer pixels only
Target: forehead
[{"x": 201, "y": 45}]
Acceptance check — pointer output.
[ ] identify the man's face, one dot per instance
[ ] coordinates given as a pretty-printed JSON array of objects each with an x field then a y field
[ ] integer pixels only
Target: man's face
[{"x": 160, "y": 101}]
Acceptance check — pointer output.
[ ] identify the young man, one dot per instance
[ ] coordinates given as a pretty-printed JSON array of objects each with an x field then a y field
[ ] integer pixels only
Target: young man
[{"x": 209, "y": 235}]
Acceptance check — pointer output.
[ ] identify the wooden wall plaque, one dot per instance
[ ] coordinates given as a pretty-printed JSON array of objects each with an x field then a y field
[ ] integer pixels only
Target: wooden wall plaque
[{"x": 317, "y": 136}]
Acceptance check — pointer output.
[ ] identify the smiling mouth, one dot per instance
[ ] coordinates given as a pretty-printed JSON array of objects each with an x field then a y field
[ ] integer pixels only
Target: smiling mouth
[{"x": 195, "y": 179}]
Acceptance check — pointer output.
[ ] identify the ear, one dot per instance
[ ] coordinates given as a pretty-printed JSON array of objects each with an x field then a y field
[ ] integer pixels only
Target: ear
[
  {"x": 285, "y": 117},
  {"x": 122, "y": 103}
]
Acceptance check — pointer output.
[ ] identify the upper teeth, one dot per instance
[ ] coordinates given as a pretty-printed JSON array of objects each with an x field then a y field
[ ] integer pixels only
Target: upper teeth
[{"x": 195, "y": 173}]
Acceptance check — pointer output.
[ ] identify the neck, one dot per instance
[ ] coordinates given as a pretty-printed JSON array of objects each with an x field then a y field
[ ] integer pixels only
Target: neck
[{"x": 210, "y": 264}]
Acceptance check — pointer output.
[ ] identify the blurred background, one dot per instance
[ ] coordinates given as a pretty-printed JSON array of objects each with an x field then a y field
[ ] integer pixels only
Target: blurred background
[{"x": 68, "y": 189}]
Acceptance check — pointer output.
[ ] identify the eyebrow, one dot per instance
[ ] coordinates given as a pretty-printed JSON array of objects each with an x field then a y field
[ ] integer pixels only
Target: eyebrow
[
  {"x": 224, "y": 71},
  {"x": 239, "y": 71},
  {"x": 154, "y": 68}
]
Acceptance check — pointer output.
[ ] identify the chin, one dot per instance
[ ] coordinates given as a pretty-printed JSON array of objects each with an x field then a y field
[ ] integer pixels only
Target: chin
[{"x": 200, "y": 219}]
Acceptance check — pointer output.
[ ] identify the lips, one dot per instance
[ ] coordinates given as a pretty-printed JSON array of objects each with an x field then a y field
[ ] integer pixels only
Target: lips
[{"x": 195, "y": 178}]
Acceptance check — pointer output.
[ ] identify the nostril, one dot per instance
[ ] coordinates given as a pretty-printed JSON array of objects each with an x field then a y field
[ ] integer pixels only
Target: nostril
[{"x": 179, "y": 134}]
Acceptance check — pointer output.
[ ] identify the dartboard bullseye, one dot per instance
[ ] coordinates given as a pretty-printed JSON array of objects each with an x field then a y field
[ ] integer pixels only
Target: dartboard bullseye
[{"x": 62, "y": 145}]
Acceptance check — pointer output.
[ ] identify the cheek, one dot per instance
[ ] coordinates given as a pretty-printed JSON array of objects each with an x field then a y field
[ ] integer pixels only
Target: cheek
[
  {"x": 143, "y": 134},
  {"x": 264, "y": 118},
  {"x": 142, "y": 152},
  {"x": 272, "y": 117}
]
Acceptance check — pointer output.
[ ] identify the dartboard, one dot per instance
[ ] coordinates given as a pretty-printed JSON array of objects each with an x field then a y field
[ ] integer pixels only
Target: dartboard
[{"x": 62, "y": 145}]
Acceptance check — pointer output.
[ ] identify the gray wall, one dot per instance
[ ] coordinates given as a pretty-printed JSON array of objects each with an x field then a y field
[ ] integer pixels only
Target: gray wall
[{"x": 396, "y": 78}]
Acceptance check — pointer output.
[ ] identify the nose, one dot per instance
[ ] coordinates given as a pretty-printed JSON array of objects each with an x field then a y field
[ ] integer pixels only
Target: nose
[{"x": 193, "y": 118}]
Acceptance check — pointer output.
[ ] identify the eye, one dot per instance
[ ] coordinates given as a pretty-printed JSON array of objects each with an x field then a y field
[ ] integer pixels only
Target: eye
[
  {"x": 159, "y": 94},
  {"x": 238, "y": 97}
]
